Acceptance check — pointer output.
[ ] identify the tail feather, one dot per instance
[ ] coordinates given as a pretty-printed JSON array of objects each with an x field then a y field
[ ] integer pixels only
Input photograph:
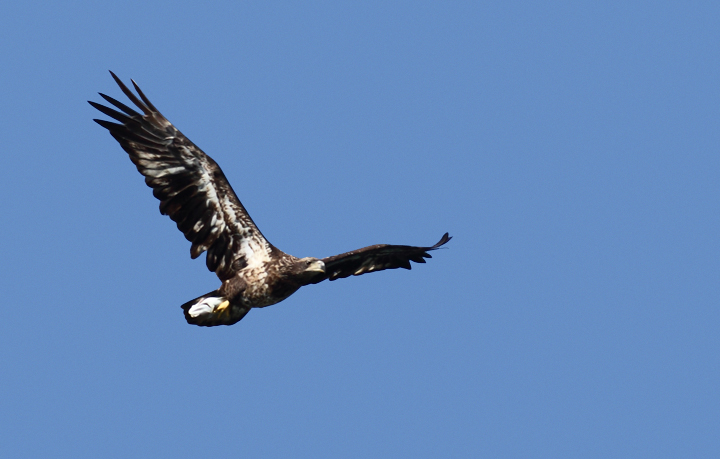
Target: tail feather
[{"x": 213, "y": 309}]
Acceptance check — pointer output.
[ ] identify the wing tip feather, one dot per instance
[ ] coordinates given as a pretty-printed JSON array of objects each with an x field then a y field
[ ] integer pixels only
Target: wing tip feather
[{"x": 443, "y": 240}]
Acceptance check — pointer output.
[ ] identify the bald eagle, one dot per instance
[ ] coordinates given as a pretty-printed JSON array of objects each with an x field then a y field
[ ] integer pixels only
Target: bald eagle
[{"x": 195, "y": 194}]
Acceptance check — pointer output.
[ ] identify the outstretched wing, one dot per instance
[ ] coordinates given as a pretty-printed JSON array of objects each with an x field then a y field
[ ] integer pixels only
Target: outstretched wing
[
  {"x": 191, "y": 188},
  {"x": 375, "y": 258}
]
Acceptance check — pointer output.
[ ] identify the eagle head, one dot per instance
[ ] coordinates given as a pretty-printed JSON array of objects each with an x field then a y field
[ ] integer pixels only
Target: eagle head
[{"x": 308, "y": 267}]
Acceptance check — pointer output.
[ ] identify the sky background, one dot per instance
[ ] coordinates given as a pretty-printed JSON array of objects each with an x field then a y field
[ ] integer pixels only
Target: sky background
[{"x": 570, "y": 148}]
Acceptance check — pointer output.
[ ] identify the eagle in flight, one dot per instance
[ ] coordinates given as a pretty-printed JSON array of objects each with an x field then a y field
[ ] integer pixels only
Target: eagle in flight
[{"x": 195, "y": 194}]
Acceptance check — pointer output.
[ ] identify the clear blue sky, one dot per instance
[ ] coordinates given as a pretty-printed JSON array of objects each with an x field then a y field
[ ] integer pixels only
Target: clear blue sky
[{"x": 571, "y": 148}]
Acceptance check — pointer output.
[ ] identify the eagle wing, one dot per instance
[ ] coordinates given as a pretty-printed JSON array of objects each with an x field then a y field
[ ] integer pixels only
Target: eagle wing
[
  {"x": 191, "y": 187},
  {"x": 375, "y": 258}
]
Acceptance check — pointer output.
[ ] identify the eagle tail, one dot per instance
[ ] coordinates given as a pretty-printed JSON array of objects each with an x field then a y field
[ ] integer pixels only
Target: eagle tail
[{"x": 213, "y": 309}]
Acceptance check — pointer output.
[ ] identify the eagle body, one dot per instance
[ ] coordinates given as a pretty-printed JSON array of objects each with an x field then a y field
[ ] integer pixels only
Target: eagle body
[
  {"x": 195, "y": 194},
  {"x": 252, "y": 287}
]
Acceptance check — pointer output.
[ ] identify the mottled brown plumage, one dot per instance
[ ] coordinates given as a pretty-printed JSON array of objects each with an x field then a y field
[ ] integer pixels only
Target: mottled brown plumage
[{"x": 195, "y": 194}]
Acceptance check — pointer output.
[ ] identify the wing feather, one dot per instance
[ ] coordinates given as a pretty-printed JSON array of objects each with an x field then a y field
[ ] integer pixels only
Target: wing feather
[
  {"x": 375, "y": 258},
  {"x": 191, "y": 187},
  {"x": 119, "y": 105}
]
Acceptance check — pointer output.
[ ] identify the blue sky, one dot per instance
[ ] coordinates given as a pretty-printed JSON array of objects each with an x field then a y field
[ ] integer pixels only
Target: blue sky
[{"x": 570, "y": 148}]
